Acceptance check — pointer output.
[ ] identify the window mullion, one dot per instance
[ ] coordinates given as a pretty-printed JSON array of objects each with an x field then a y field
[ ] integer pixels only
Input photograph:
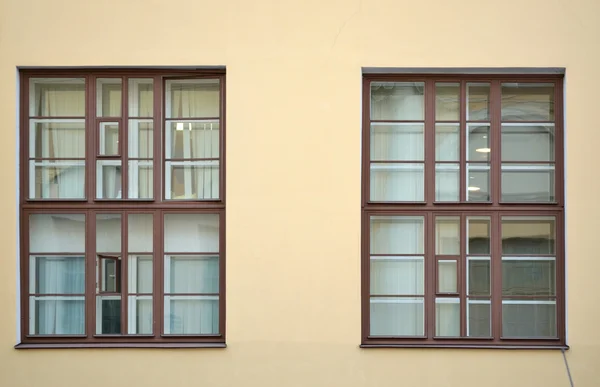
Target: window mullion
[
  {"x": 157, "y": 160},
  {"x": 429, "y": 142},
  {"x": 496, "y": 267},
  {"x": 430, "y": 276},
  {"x": 495, "y": 142},
  {"x": 90, "y": 274},
  {"x": 463, "y": 142},
  {"x": 90, "y": 134},
  {"x": 124, "y": 273},
  {"x": 158, "y": 284},
  {"x": 123, "y": 139}
]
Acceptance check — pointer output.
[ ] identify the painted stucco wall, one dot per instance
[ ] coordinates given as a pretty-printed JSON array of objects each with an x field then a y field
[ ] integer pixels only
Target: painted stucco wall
[{"x": 293, "y": 177}]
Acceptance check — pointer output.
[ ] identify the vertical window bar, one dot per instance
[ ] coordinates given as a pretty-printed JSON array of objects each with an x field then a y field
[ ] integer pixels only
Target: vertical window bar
[
  {"x": 429, "y": 142},
  {"x": 430, "y": 275},
  {"x": 462, "y": 275},
  {"x": 462, "y": 191},
  {"x": 495, "y": 142},
  {"x": 496, "y": 274},
  {"x": 123, "y": 146}
]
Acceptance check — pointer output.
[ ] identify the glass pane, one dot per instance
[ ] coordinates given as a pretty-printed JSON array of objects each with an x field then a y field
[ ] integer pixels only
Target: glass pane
[
  {"x": 108, "y": 233},
  {"x": 478, "y": 316},
  {"x": 57, "y": 275},
  {"x": 140, "y": 233},
  {"x": 528, "y": 318},
  {"x": 447, "y": 101},
  {"x": 527, "y": 102},
  {"x": 193, "y": 140},
  {"x": 397, "y": 182},
  {"x": 109, "y": 138},
  {"x": 140, "y": 315},
  {"x": 108, "y": 315},
  {"x": 141, "y": 179},
  {"x": 447, "y": 276},
  {"x": 478, "y": 182},
  {"x": 192, "y": 180},
  {"x": 51, "y": 315},
  {"x": 478, "y": 235},
  {"x": 192, "y": 98},
  {"x": 478, "y": 101},
  {"x": 192, "y": 233},
  {"x": 397, "y": 100},
  {"x": 188, "y": 315},
  {"x": 140, "y": 139},
  {"x": 528, "y": 143},
  {"x": 110, "y": 274},
  {"x": 141, "y": 97},
  {"x": 528, "y": 235},
  {"x": 57, "y": 97},
  {"x": 397, "y": 142},
  {"x": 108, "y": 179},
  {"x": 399, "y": 316},
  {"x": 192, "y": 274},
  {"x": 528, "y": 183},
  {"x": 140, "y": 274},
  {"x": 528, "y": 277},
  {"x": 447, "y": 142},
  {"x": 397, "y": 234},
  {"x": 108, "y": 97},
  {"x": 478, "y": 143},
  {"x": 478, "y": 277},
  {"x": 447, "y": 317},
  {"x": 397, "y": 275},
  {"x": 57, "y": 233},
  {"x": 447, "y": 181},
  {"x": 447, "y": 235},
  {"x": 57, "y": 139},
  {"x": 63, "y": 179}
]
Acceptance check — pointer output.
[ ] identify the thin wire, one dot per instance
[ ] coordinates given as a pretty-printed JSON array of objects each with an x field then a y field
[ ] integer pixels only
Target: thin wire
[{"x": 567, "y": 365}]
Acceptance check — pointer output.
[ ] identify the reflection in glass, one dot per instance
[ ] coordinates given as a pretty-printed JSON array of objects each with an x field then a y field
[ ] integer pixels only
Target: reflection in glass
[
  {"x": 528, "y": 235},
  {"x": 57, "y": 139},
  {"x": 56, "y": 233},
  {"x": 528, "y": 277},
  {"x": 478, "y": 276},
  {"x": 478, "y": 143},
  {"x": 192, "y": 180},
  {"x": 141, "y": 97},
  {"x": 399, "y": 316},
  {"x": 108, "y": 233},
  {"x": 527, "y": 102},
  {"x": 528, "y": 318},
  {"x": 64, "y": 179},
  {"x": 140, "y": 233},
  {"x": 397, "y": 142},
  {"x": 57, "y": 97},
  {"x": 447, "y": 181},
  {"x": 191, "y": 233},
  {"x": 109, "y": 138},
  {"x": 141, "y": 179},
  {"x": 527, "y": 143},
  {"x": 478, "y": 182},
  {"x": 397, "y": 182},
  {"x": 447, "y": 101},
  {"x": 528, "y": 183},
  {"x": 397, "y": 234},
  {"x": 447, "y": 142},
  {"x": 478, "y": 235},
  {"x": 478, "y": 101},
  {"x": 108, "y": 180},
  {"x": 397, "y": 100},
  {"x": 447, "y": 235},
  {"x": 478, "y": 316},
  {"x": 108, "y": 98},
  {"x": 447, "y": 276}
]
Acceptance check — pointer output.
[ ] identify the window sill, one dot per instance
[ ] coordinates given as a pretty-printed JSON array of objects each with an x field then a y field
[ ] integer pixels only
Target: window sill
[
  {"x": 468, "y": 346},
  {"x": 120, "y": 345}
]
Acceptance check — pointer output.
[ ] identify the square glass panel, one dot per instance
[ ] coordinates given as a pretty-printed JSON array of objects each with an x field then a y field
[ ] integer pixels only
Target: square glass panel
[
  {"x": 478, "y": 183},
  {"x": 447, "y": 276},
  {"x": 447, "y": 101},
  {"x": 528, "y": 235},
  {"x": 397, "y": 100},
  {"x": 478, "y": 101},
  {"x": 527, "y": 143},
  {"x": 447, "y": 182},
  {"x": 57, "y": 139},
  {"x": 57, "y": 275},
  {"x": 64, "y": 179},
  {"x": 447, "y": 317},
  {"x": 141, "y": 97},
  {"x": 528, "y": 183},
  {"x": 397, "y": 275},
  {"x": 191, "y": 274},
  {"x": 140, "y": 234},
  {"x": 108, "y": 315},
  {"x": 447, "y": 235},
  {"x": 54, "y": 315},
  {"x": 141, "y": 139},
  {"x": 478, "y": 235},
  {"x": 397, "y": 182},
  {"x": 192, "y": 98},
  {"x": 528, "y": 277},
  {"x": 108, "y": 97},
  {"x": 140, "y": 315},
  {"x": 109, "y": 139},
  {"x": 397, "y": 142},
  {"x": 194, "y": 233},
  {"x": 57, "y": 233},
  {"x": 191, "y": 315},
  {"x": 193, "y": 140},
  {"x": 399, "y": 316},
  {"x": 108, "y": 233},
  {"x": 57, "y": 97},
  {"x": 141, "y": 179},
  {"x": 527, "y": 102},
  {"x": 108, "y": 179},
  {"x": 479, "y": 318},
  {"x": 478, "y": 142},
  {"x": 139, "y": 271},
  {"x": 447, "y": 142},
  {"x": 192, "y": 180},
  {"x": 397, "y": 234},
  {"x": 526, "y": 318},
  {"x": 478, "y": 276}
]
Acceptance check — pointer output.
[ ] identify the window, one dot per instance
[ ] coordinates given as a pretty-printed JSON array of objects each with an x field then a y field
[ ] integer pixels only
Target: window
[
  {"x": 463, "y": 218},
  {"x": 123, "y": 207}
]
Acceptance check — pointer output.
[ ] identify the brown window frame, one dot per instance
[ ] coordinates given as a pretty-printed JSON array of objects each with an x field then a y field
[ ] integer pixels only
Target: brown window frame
[
  {"x": 90, "y": 206},
  {"x": 495, "y": 208}
]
